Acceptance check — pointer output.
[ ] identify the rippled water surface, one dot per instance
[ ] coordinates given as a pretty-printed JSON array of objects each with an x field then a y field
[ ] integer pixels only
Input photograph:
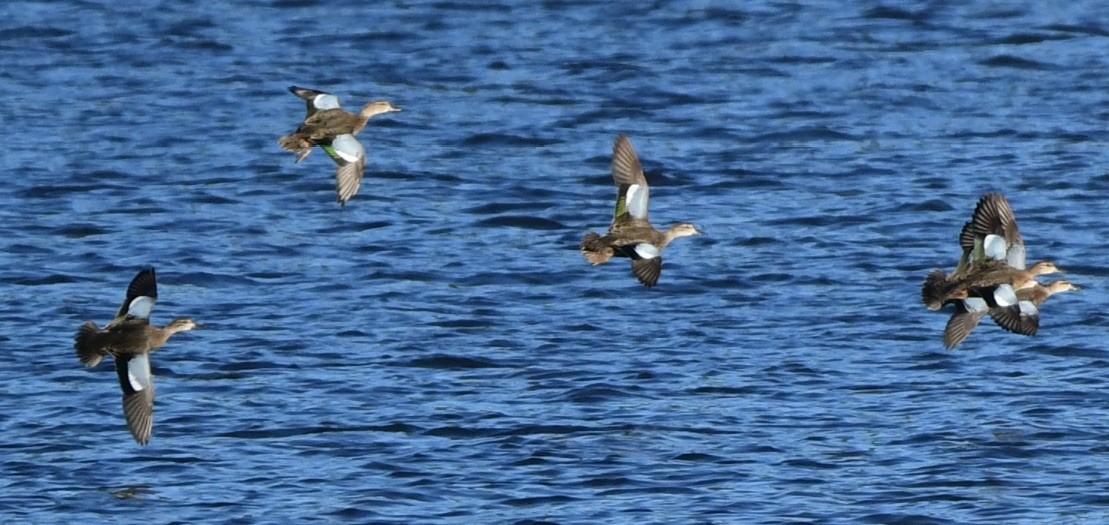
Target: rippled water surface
[{"x": 437, "y": 351}]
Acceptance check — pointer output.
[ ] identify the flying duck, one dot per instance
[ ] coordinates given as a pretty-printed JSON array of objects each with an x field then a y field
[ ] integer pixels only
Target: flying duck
[
  {"x": 130, "y": 339},
  {"x": 992, "y": 277},
  {"x": 332, "y": 128},
  {"x": 631, "y": 234}
]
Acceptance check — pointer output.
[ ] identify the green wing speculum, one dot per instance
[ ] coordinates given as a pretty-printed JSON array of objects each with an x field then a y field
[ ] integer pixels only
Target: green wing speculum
[{"x": 621, "y": 215}]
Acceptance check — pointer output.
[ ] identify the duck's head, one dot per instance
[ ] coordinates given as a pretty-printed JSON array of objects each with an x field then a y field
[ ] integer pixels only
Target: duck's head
[
  {"x": 684, "y": 229},
  {"x": 1044, "y": 268},
  {"x": 1055, "y": 287},
  {"x": 678, "y": 230},
  {"x": 377, "y": 107},
  {"x": 181, "y": 325}
]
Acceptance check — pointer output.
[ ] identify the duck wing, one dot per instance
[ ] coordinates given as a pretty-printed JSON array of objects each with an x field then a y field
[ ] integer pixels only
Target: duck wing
[
  {"x": 315, "y": 100},
  {"x": 1022, "y": 318},
  {"x": 646, "y": 263},
  {"x": 137, "y": 383},
  {"x": 350, "y": 156},
  {"x": 142, "y": 293},
  {"x": 647, "y": 271},
  {"x": 633, "y": 194},
  {"x": 968, "y": 313},
  {"x": 993, "y": 230},
  {"x": 1011, "y": 312}
]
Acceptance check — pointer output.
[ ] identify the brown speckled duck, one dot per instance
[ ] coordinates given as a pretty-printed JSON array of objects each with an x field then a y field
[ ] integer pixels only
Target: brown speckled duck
[
  {"x": 130, "y": 339},
  {"x": 1017, "y": 311},
  {"x": 631, "y": 234},
  {"x": 991, "y": 277},
  {"x": 993, "y": 254},
  {"x": 332, "y": 128}
]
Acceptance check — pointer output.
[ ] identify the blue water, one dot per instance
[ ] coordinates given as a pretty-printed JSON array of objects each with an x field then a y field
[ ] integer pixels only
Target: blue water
[{"x": 439, "y": 352}]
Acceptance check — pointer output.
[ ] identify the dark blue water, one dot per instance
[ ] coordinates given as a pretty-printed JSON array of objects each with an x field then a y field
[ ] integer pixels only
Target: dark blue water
[{"x": 438, "y": 351}]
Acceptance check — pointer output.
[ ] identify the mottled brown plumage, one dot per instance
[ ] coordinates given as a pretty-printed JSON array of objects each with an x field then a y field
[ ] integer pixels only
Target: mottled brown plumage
[
  {"x": 939, "y": 289},
  {"x": 993, "y": 254},
  {"x": 333, "y": 129},
  {"x": 991, "y": 277},
  {"x": 631, "y": 234},
  {"x": 130, "y": 339}
]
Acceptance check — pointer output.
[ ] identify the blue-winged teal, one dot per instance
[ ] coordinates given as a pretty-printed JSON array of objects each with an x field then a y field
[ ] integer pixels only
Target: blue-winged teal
[
  {"x": 631, "y": 234},
  {"x": 130, "y": 339},
  {"x": 332, "y": 128},
  {"x": 991, "y": 277},
  {"x": 1014, "y": 310},
  {"x": 993, "y": 254}
]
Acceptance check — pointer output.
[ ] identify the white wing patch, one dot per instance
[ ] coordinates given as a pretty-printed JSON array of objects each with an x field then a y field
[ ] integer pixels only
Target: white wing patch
[
  {"x": 326, "y": 102},
  {"x": 1028, "y": 309},
  {"x": 138, "y": 372},
  {"x": 1016, "y": 257},
  {"x": 975, "y": 304},
  {"x": 995, "y": 247},
  {"x": 348, "y": 148},
  {"x": 646, "y": 251},
  {"x": 1004, "y": 295},
  {"x": 636, "y": 199},
  {"x": 140, "y": 306}
]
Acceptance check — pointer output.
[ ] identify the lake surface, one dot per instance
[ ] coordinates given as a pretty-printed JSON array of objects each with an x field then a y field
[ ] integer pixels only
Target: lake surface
[{"x": 437, "y": 351}]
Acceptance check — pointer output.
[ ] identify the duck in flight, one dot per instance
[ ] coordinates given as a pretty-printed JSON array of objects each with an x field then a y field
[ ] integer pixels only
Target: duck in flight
[
  {"x": 631, "y": 234},
  {"x": 130, "y": 339},
  {"x": 332, "y": 128},
  {"x": 992, "y": 277}
]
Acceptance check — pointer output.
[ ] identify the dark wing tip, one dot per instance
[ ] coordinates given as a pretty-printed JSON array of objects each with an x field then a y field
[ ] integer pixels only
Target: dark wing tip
[
  {"x": 959, "y": 326},
  {"x": 138, "y": 405},
  {"x": 348, "y": 179},
  {"x": 647, "y": 270},
  {"x": 305, "y": 93},
  {"x": 626, "y": 168},
  {"x": 1010, "y": 318},
  {"x": 992, "y": 215},
  {"x": 138, "y": 410},
  {"x": 145, "y": 284}
]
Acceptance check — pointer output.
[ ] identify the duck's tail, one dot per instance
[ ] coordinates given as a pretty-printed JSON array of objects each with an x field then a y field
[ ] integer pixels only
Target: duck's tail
[
  {"x": 935, "y": 289},
  {"x": 88, "y": 350},
  {"x": 595, "y": 249},
  {"x": 296, "y": 143}
]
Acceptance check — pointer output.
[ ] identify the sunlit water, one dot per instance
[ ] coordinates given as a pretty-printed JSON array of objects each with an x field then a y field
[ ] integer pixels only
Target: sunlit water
[{"x": 438, "y": 352}]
